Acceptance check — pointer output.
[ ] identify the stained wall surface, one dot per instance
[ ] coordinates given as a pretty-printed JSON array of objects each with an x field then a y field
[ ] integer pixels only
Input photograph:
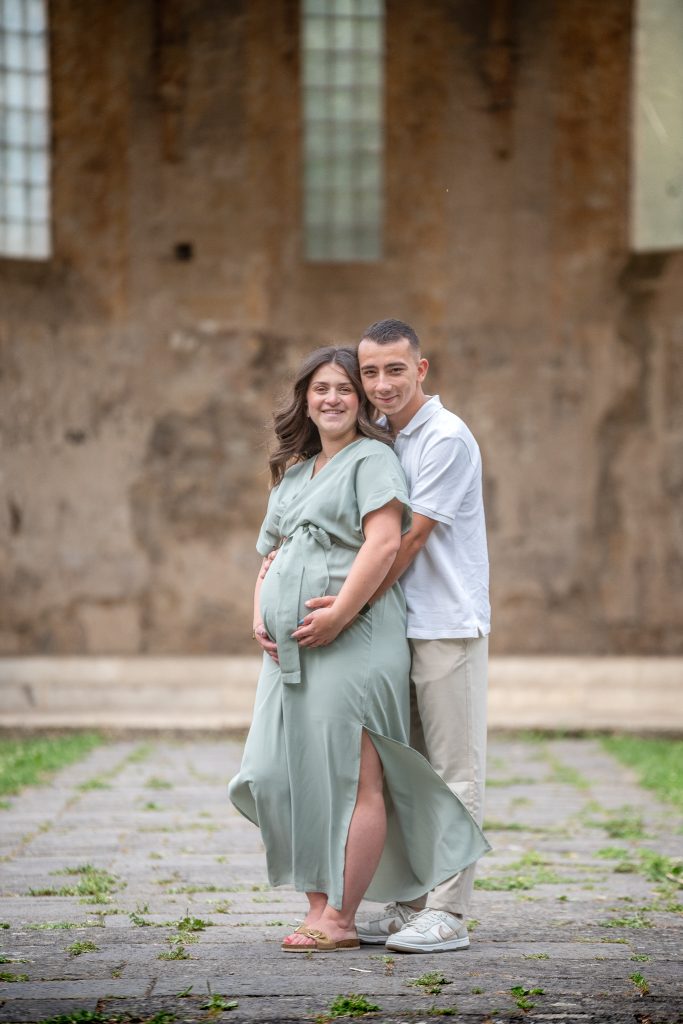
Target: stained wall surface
[{"x": 137, "y": 384}]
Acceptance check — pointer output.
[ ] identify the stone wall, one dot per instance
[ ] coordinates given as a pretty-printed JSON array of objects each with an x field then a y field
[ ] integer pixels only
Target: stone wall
[{"x": 139, "y": 366}]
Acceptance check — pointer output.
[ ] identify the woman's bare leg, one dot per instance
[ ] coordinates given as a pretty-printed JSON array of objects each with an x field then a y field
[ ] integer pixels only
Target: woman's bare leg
[{"x": 364, "y": 846}]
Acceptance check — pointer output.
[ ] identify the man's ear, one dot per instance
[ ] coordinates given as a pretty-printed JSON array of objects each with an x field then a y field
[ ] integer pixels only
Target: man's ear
[{"x": 422, "y": 367}]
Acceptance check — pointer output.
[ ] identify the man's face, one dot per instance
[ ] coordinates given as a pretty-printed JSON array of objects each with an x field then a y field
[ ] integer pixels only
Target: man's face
[{"x": 392, "y": 377}]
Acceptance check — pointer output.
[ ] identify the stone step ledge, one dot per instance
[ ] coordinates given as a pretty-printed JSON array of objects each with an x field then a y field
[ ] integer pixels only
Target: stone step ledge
[{"x": 217, "y": 693}]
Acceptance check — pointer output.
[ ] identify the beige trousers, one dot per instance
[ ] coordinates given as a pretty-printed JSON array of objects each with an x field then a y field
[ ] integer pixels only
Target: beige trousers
[{"x": 448, "y": 682}]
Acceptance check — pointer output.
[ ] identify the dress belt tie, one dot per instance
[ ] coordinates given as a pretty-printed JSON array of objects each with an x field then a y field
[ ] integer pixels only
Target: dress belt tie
[{"x": 306, "y": 550}]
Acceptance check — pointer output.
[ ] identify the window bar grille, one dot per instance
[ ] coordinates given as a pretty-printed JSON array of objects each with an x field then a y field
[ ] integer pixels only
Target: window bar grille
[
  {"x": 24, "y": 130},
  {"x": 343, "y": 128}
]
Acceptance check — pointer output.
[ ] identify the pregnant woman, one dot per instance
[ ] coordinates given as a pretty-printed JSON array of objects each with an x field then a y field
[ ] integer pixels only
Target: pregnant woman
[{"x": 346, "y": 808}]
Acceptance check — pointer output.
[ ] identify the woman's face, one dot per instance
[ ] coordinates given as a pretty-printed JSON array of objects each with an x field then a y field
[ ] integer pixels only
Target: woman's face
[{"x": 332, "y": 403}]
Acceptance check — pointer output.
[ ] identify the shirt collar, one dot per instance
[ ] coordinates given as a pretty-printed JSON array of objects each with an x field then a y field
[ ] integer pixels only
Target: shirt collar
[{"x": 424, "y": 413}]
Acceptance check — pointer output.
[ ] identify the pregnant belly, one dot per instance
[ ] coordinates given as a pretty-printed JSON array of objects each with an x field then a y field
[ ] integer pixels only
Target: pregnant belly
[{"x": 269, "y": 598}]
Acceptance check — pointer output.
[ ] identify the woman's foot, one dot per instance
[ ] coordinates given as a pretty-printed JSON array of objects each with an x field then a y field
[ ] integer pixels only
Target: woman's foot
[
  {"x": 311, "y": 920},
  {"x": 329, "y": 923}
]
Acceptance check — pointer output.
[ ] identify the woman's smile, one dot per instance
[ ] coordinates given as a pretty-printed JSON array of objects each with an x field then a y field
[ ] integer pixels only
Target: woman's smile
[{"x": 333, "y": 402}]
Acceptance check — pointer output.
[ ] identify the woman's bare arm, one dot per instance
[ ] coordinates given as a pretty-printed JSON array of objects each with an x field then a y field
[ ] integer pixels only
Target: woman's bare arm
[{"x": 375, "y": 557}]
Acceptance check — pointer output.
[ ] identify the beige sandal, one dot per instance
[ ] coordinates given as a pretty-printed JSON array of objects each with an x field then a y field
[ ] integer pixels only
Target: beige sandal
[{"x": 323, "y": 943}]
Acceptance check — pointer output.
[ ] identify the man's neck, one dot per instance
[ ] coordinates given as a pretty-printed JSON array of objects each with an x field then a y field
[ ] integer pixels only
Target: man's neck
[{"x": 403, "y": 418}]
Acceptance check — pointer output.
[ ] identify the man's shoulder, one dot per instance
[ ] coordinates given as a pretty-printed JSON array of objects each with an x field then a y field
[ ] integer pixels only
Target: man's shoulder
[{"x": 446, "y": 425}]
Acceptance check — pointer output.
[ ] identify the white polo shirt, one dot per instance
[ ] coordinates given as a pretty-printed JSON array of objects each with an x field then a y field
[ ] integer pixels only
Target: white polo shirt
[{"x": 447, "y": 585}]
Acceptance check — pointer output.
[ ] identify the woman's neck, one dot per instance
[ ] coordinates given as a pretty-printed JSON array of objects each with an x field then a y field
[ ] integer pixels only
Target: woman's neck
[{"x": 332, "y": 446}]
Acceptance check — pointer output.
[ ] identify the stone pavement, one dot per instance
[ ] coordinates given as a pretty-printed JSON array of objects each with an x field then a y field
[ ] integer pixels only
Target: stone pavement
[{"x": 573, "y": 913}]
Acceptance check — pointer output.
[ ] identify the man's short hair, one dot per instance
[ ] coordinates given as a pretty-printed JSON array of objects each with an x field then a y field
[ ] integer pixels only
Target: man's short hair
[{"x": 384, "y": 332}]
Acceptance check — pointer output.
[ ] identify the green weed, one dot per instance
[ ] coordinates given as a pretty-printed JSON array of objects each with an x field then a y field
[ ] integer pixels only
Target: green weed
[
  {"x": 637, "y": 921},
  {"x": 641, "y": 957},
  {"x": 78, "y": 948},
  {"x": 95, "y": 885},
  {"x": 8, "y": 976},
  {"x": 659, "y": 868},
  {"x": 192, "y": 889},
  {"x": 218, "y": 1004},
  {"x": 530, "y": 870},
  {"x": 78, "y": 1017},
  {"x": 432, "y": 982},
  {"x": 179, "y": 953},
  {"x": 138, "y": 920},
  {"x": 640, "y": 983},
  {"x": 222, "y": 907},
  {"x": 623, "y": 823},
  {"x": 521, "y": 996},
  {"x": 55, "y": 926},
  {"x": 351, "y": 1006},
  {"x": 192, "y": 924},
  {"x": 535, "y": 956}
]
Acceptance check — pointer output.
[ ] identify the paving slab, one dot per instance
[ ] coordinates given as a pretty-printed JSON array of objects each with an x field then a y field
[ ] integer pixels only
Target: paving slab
[{"x": 564, "y": 903}]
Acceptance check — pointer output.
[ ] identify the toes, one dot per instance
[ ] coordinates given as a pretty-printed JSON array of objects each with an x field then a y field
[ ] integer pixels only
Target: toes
[{"x": 297, "y": 940}]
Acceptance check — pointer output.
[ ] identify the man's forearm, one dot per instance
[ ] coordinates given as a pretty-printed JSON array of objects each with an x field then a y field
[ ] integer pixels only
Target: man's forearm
[{"x": 411, "y": 543}]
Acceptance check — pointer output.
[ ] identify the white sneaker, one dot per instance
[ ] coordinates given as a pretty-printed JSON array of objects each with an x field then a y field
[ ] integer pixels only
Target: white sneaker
[
  {"x": 430, "y": 931},
  {"x": 376, "y": 930}
]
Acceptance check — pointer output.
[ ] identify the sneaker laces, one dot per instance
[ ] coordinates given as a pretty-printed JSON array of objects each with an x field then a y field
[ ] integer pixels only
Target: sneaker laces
[{"x": 426, "y": 920}]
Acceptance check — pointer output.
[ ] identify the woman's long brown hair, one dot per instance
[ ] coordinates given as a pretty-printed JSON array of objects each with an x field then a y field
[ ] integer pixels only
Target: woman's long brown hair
[{"x": 296, "y": 434}]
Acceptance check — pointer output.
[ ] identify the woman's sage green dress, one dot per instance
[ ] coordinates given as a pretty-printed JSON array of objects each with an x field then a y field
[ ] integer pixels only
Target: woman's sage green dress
[{"x": 299, "y": 774}]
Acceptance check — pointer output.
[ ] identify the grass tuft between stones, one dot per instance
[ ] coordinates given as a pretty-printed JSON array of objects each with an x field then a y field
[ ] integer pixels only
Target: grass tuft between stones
[
  {"x": 350, "y": 1006},
  {"x": 29, "y": 762}
]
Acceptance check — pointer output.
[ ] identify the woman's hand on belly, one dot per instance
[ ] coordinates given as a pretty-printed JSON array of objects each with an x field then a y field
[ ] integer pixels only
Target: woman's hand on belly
[
  {"x": 264, "y": 641},
  {"x": 320, "y": 627}
]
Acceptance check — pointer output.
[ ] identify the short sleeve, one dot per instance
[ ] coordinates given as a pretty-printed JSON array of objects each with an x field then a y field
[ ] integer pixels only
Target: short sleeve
[
  {"x": 379, "y": 480},
  {"x": 269, "y": 534},
  {"x": 444, "y": 477}
]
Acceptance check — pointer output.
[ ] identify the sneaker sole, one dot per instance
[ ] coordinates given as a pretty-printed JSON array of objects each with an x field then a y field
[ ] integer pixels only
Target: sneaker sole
[
  {"x": 401, "y": 946},
  {"x": 372, "y": 940}
]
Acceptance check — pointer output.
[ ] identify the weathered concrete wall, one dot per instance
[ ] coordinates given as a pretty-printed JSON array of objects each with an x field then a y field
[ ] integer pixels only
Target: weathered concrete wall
[{"x": 136, "y": 383}]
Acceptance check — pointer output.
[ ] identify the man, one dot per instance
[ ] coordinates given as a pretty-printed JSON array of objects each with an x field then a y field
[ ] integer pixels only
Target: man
[{"x": 442, "y": 566}]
